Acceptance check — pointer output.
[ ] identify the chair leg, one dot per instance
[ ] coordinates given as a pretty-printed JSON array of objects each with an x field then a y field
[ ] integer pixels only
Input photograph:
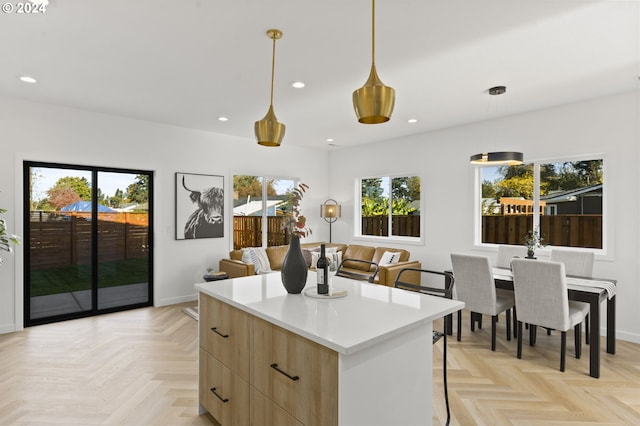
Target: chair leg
[
  {"x": 548, "y": 332},
  {"x": 586, "y": 329},
  {"x": 459, "y": 325},
  {"x": 509, "y": 325},
  {"x": 563, "y": 350},
  {"x": 533, "y": 331},
  {"x": 577, "y": 331},
  {"x": 479, "y": 318},
  {"x": 519, "y": 339},
  {"x": 515, "y": 322},
  {"x": 472, "y": 324},
  {"x": 494, "y": 321}
]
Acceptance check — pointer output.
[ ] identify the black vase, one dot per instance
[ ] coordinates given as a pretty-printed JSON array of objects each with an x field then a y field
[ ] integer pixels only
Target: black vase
[{"x": 294, "y": 268}]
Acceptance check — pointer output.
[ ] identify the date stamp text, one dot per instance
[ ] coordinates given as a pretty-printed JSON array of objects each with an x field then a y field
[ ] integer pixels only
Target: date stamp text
[{"x": 26, "y": 8}]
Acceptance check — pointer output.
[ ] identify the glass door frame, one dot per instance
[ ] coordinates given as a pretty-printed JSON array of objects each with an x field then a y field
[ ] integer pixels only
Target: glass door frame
[{"x": 95, "y": 170}]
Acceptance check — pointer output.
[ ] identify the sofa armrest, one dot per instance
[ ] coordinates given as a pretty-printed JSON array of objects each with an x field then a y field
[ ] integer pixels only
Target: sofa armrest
[
  {"x": 237, "y": 268},
  {"x": 388, "y": 273}
]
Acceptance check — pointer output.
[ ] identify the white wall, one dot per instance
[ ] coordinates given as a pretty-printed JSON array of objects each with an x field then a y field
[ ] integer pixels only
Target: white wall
[
  {"x": 38, "y": 132},
  {"x": 608, "y": 126}
]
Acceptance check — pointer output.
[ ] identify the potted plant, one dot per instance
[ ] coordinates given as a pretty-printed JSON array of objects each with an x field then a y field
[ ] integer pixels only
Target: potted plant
[
  {"x": 533, "y": 240},
  {"x": 6, "y": 239}
]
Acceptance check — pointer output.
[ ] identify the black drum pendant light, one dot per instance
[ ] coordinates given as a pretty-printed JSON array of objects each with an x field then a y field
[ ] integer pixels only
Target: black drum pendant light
[
  {"x": 374, "y": 101},
  {"x": 269, "y": 131},
  {"x": 510, "y": 158}
]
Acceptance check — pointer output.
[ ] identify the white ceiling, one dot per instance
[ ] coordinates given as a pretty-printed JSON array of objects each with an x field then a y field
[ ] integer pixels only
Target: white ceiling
[{"x": 186, "y": 62}]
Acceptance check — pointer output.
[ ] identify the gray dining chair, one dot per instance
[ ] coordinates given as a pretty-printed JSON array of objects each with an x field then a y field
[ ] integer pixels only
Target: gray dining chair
[
  {"x": 476, "y": 287},
  {"x": 508, "y": 252},
  {"x": 541, "y": 297},
  {"x": 578, "y": 263}
]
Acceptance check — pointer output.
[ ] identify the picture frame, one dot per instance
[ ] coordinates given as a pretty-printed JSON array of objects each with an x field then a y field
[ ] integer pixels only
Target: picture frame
[{"x": 199, "y": 206}]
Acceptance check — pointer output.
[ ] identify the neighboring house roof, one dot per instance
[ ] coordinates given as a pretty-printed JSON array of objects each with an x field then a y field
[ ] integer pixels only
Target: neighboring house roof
[
  {"x": 84, "y": 206},
  {"x": 253, "y": 207},
  {"x": 570, "y": 194}
]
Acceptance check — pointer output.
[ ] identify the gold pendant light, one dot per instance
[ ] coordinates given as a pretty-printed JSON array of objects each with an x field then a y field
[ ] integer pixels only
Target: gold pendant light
[
  {"x": 269, "y": 131},
  {"x": 374, "y": 101}
]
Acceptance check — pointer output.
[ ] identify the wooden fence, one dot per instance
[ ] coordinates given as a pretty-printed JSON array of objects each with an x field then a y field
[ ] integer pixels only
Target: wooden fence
[
  {"x": 557, "y": 230},
  {"x": 247, "y": 231},
  {"x": 62, "y": 239},
  {"x": 405, "y": 226}
]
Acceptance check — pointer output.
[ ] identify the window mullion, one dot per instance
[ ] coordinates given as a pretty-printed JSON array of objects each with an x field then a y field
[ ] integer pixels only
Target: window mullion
[{"x": 536, "y": 195}]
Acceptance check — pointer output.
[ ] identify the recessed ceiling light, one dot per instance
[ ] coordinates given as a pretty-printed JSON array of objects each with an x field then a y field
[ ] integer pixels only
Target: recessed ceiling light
[
  {"x": 298, "y": 84},
  {"x": 329, "y": 139},
  {"x": 412, "y": 120},
  {"x": 27, "y": 79},
  {"x": 223, "y": 118}
]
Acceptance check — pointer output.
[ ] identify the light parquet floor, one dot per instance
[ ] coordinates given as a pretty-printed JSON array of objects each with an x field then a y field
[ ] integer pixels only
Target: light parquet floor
[
  {"x": 496, "y": 388},
  {"x": 139, "y": 367}
]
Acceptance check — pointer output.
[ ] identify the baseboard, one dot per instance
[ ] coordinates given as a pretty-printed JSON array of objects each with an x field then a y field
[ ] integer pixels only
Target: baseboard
[
  {"x": 627, "y": 337},
  {"x": 176, "y": 300},
  {"x": 7, "y": 328}
]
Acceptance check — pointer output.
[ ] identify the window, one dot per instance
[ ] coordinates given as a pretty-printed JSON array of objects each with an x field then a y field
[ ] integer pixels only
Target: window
[
  {"x": 390, "y": 206},
  {"x": 259, "y": 207},
  {"x": 564, "y": 199}
]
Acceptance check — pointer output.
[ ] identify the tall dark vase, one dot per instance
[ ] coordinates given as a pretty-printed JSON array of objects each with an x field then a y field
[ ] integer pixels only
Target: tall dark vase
[{"x": 294, "y": 268}]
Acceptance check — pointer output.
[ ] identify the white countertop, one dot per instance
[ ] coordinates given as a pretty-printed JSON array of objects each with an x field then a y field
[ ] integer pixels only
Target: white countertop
[{"x": 370, "y": 313}]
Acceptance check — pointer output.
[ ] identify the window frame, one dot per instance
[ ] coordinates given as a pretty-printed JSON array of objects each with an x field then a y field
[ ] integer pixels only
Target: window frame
[
  {"x": 264, "y": 216},
  {"x": 357, "y": 212},
  {"x": 606, "y": 223}
]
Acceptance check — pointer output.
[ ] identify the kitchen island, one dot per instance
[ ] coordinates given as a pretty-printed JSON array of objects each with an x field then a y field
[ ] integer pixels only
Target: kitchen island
[{"x": 268, "y": 357}]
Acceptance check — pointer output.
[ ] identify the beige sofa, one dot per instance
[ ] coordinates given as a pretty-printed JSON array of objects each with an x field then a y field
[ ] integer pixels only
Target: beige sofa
[{"x": 235, "y": 267}]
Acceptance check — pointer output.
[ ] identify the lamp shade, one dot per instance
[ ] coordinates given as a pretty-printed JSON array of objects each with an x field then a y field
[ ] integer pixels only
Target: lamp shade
[
  {"x": 269, "y": 131},
  {"x": 330, "y": 211},
  {"x": 374, "y": 102},
  {"x": 509, "y": 158}
]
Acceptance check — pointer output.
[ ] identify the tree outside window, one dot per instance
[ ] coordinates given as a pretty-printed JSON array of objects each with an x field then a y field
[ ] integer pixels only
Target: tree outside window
[{"x": 569, "y": 201}]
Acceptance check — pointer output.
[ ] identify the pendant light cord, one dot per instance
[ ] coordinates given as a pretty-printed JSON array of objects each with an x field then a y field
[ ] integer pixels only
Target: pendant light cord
[
  {"x": 373, "y": 31},
  {"x": 273, "y": 67}
]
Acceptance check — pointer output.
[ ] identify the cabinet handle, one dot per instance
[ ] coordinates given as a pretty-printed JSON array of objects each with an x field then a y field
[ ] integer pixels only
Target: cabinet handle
[
  {"x": 215, "y": 330},
  {"x": 275, "y": 367},
  {"x": 219, "y": 397}
]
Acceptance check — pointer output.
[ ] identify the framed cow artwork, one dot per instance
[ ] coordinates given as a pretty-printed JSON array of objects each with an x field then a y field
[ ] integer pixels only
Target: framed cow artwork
[{"x": 199, "y": 206}]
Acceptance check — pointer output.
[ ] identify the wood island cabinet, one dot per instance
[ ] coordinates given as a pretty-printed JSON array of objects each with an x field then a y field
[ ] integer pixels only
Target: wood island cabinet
[{"x": 268, "y": 358}]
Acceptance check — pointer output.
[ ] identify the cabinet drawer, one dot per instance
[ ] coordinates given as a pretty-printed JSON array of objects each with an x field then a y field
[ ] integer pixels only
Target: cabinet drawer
[
  {"x": 265, "y": 412},
  {"x": 299, "y": 375},
  {"x": 224, "y": 394},
  {"x": 224, "y": 333}
]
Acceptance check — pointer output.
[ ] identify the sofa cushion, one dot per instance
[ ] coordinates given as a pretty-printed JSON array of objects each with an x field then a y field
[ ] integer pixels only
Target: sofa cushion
[{"x": 358, "y": 252}]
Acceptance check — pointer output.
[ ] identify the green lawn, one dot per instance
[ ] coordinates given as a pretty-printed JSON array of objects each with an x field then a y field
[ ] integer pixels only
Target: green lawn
[{"x": 73, "y": 278}]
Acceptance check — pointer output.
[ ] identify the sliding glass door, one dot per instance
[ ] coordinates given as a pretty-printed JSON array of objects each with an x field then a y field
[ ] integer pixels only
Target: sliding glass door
[{"x": 88, "y": 248}]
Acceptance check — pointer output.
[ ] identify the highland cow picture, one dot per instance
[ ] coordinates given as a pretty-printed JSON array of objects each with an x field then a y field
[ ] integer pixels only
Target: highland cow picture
[{"x": 199, "y": 206}]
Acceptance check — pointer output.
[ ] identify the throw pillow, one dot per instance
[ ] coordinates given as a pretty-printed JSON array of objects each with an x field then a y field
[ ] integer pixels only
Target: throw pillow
[
  {"x": 389, "y": 257},
  {"x": 257, "y": 256},
  {"x": 306, "y": 253}
]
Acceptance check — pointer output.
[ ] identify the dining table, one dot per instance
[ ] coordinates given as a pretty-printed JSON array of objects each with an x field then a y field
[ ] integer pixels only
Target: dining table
[{"x": 590, "y": 290}]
